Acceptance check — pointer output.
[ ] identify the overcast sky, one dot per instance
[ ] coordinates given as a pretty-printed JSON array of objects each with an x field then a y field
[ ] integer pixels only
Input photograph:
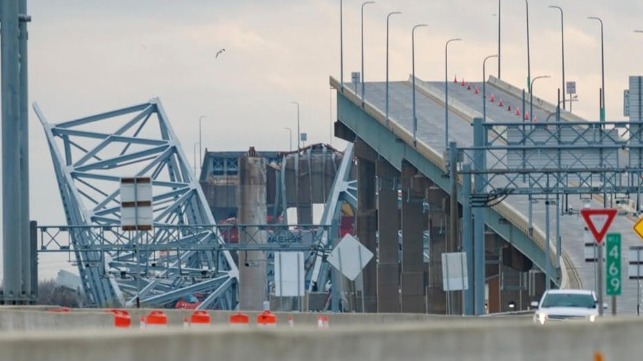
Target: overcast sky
[{"x": 90, "y": 56}]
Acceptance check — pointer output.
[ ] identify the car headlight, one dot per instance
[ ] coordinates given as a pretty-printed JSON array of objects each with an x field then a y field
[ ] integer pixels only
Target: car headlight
[
  {"x": 540, "y": 317},
  {"x": 591, "y": 318}
]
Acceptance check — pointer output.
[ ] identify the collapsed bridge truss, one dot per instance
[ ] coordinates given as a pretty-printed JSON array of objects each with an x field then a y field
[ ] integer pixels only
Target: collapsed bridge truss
[{"x": 90, "y": 156}]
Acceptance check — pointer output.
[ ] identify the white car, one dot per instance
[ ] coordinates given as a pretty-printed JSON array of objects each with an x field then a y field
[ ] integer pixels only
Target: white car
[{"x": 556, "y": 305}]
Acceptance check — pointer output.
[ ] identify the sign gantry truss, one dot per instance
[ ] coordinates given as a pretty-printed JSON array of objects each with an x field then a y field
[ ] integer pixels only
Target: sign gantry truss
[
  {"x": 90, "y": 156},
  {"x": 557, "y": 158}
]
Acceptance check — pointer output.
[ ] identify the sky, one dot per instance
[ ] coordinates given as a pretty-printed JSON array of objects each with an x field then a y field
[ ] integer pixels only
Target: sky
[{"x": 90, "y": 56}]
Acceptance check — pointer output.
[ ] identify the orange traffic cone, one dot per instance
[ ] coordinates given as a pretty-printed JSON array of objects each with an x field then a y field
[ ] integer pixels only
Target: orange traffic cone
[
  {"x": 535, "y": 119},
  {"x": 476, "y": 91},
  {"x": 526, "y": 115},
  {"x": 509, "y": 108},
  {"x": 455, "y": 79},
  {"x": 500, "y": 103},
  {"x": 468, "y": 87},
  {"x": 492, "y": 99},
  {"x": 462, "y": 82},
  {"x": 518, "y": 111}
]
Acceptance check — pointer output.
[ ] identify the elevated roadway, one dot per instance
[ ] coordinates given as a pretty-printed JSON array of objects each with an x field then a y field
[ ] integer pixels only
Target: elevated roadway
[{"x": 367, "y": 120}]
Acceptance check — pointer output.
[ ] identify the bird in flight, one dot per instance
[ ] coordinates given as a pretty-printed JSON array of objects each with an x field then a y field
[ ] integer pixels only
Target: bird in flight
[{"x": 219, "y": 52}]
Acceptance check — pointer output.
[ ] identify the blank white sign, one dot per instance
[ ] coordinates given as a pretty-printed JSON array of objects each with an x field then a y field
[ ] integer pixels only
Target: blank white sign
[
  {"x": 289, "y": 274},
  {"x": 454, "y": 271}
]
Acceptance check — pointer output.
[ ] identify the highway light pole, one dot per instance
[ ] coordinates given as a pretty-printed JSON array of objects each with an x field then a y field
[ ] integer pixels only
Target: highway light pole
[
  {"x": 298, "y": 132},
  {"x": 602, "y": 110},
  {"x": 341, "y": 44},
  {"x": 562, "y": 38},
  {"x": 200, "y": 146},
  {"x": 289, "y": 137},
  {"x": 446, "y": 92},
  {"x": 387, "y": 27},
  {"x": 484, "y": 90},
  {"x": 194, "y": 159},
  {"x": 528, "y": 55},
  {"x": 415, "y": 121},
  {"x": 363, "y": 5},
  {"x": 531, "y": 96},
  {"x": 499, "y": 1}
]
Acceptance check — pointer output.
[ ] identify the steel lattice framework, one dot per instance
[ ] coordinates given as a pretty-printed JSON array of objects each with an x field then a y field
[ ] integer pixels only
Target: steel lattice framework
[
  {"x": 558, "y": 158},
  {"x": 182, "y": 255}
]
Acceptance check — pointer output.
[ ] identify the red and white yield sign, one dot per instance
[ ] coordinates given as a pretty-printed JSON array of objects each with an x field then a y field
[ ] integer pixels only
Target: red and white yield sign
[{"x": 598, "y": 221}]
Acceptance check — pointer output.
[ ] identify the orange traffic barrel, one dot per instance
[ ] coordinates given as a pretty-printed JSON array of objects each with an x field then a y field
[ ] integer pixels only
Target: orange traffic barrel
[
  {"x": 121, "y": 318},
  {"x": 200, "y": 318},
  {"x": 239, "y": 319},
  {"x": 156, "y": 318},
  {"x": 325, "y": 321},
  {"x": 266, "y": 318},
  {"x": 322, "y": 321}
]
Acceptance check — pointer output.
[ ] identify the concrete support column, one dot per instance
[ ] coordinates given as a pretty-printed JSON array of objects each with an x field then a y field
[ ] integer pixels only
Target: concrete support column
[
  {"x": 438, "y": 231},
  {"x": 304, "y": 193},
  {"x": 388, "y": 221},
  {"x": 413, "y": 220},
  {"x": 367, "y": 219},
  {"x": 253, "y": 286},
  {"x": 13, "y": 228}
]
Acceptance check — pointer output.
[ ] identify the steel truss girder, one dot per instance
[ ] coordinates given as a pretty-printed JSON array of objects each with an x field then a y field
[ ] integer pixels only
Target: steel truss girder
[{"x": 90, "y": 156}]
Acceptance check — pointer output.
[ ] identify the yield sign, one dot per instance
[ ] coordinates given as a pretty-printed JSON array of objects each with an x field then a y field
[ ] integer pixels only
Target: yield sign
[{"x": 598, "y": 221}]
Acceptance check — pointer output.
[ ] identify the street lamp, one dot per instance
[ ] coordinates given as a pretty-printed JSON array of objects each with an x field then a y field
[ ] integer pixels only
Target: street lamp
[
  {"x": 194, "y": 156},
  {"x": 415, "y": 121},
  {"x": 528, "y": 56},
  {"x": 298, "y": 133},
  {"x": 531, "y": 96},
  {"x": 602, "y": 110},
  {"x": 289, "y": 137},
  {"x": 562, "y": 37},
  {"x": 499, "y": 39},
  {"x": 484, "y": 90},
  {"x": 387, "y": 23},
  {"x": 446, "y": 93},
  {"x": 363, "y": 4},
  {"x": 200, "y": 154},
  {"x": 341, "y": 44}
]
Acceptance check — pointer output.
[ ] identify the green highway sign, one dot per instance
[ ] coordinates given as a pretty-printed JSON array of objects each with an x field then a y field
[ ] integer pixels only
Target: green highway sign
[{"x": 613, "y": 264}]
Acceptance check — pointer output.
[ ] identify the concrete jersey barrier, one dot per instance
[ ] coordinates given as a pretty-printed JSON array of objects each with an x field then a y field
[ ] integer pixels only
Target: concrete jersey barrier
[{"x": 446, "y": 341}]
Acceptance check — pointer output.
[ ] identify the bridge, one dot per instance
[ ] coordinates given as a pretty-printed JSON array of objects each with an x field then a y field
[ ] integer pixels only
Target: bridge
[
  {"x": 533, "y": 171},
  {"x": 521, "y": 182}
]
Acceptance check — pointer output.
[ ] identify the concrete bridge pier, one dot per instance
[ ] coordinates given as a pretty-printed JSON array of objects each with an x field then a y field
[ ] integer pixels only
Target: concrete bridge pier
[
  {"x": 366, "y": 226},
  {"x": 388, "y": 222},
  {"x": 253, "y": 287},
  {"x": 438, "y": 244},
  {"x": 414, "y": 222}
]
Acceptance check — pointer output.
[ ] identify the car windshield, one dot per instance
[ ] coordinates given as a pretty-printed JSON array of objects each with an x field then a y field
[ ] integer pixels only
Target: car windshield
[{"x": 569, "y": 300}]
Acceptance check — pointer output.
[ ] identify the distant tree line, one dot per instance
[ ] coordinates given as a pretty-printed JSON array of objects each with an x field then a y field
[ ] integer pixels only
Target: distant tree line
[{"x": 50, "y": 293}]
